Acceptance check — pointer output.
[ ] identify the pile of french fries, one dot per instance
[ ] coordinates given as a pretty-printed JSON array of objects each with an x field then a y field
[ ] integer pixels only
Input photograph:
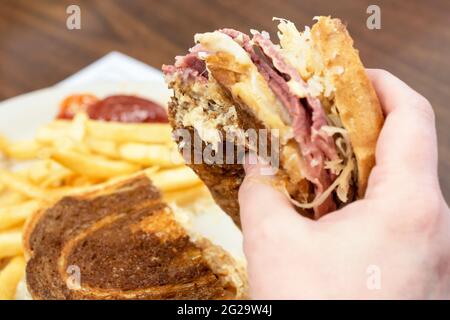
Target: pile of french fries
[{"x": 75, "y": 156}]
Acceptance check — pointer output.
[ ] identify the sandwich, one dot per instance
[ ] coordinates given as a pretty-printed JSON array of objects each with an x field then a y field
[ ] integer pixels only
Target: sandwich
[
  {"x": 123, "y": 242},
  {"x": 310, "y": 93}
]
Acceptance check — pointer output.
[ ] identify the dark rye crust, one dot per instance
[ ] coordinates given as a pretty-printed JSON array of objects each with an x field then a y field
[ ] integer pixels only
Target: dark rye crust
[
  {"x": 126, "y": 244},
  {"x": 224, "y": 180}
]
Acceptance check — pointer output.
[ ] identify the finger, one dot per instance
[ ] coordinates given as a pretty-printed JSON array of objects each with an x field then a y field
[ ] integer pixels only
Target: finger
[
  {"x": 259, "y": 200},
  {"x": 407, "y": 143}
]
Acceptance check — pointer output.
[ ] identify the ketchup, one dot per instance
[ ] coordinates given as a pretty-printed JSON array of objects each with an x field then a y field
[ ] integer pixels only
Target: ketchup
[{"x": 119, "y": 108}]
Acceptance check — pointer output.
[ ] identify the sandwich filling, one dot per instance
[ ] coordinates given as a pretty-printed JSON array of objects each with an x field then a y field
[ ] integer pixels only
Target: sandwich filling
[{"x": 286, "y": 88}]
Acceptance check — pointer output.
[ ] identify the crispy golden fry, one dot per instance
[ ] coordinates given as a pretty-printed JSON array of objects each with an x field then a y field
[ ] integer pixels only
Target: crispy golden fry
[
  {"x": 186, "y": 196},
  {"x": 56, "y": 179},
  {"x": 3, "y": 263},
  {"x": 151, "y": 154},
  {"x": 93, "y": 166},
  {"x": 103, "y": 147},
  {"x": 38, "y": 171},
  {"x": 22, "y": 150},
  {"x": 77, "y": 181},
  {"x": 22, "y": 173},
  {"x": 175, "y": 179},
  {"x": 3, "y": 145},
  {"x": 11, "y": 197},
  {"x": 78, "y": 126},
  {"x": 3, "y": 142},
  {"x": 13, "y": 215},
  {"x": 113, "y": 180},
  {"x": 63, "y": 134},
  {"x": 48, "y": 174},
  {"x": 67, "y": 190},
  {"x": 130, "y": 132},
  {"x": 10, "y": 276},
  {"x": 49, "y": 133},
  {"x": 20, "y": 185},
  {"x": 2, "y": 188},
  {"x": 10, "y": 243}
]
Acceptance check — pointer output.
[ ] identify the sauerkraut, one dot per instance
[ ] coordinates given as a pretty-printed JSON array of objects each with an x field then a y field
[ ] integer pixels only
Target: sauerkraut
[{"x": 343, "y": 168}]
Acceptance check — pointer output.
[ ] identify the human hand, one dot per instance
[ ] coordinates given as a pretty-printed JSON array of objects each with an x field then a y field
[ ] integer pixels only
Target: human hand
[{"x": 399, "y": 233}]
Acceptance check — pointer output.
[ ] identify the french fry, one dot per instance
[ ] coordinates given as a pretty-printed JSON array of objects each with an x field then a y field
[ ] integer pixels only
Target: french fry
[
  {"x": 146, "y": 171},
  {"x": 78, "y": 126},
  {"x": 3, "y": 143},
  {"x": 10, "y": 243},
  {"x": 103, "y": 147},
  {"x": 63, "y": 134},
  {"x": 77, "y": 181},
  {"x": 22, "y": 174},
  {"x": 10, "y": 276},
  {"x": 186, "y": 196},
  {"x": 49, "y": 133},
  {"x": 67, "y": 190},
  {"x": 22, "y": 150},
  {"x": 48, "y": 173},
  {"x": 13, "y": 215},
  {"x": 129, "y": 132},
  {"x": 20, "y": 185},
  {"x": 151, "y": 154},
  {"x": 38, "y": 171},
  {"x": 25, "y": 190},
  {"x": 3, "y": 263},
  {"x": 93, "y": 166},
  {"x": 11, "y": 197},
  {"x": 174, "y": 179}
]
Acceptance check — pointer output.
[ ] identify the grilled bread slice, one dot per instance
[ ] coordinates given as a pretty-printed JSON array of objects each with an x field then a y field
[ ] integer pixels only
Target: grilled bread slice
[{"x": 123, "y": 242}]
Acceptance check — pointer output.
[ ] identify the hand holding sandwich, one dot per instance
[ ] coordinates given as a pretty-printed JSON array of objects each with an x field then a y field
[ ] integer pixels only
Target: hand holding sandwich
[{"x": 394, "y": 243}]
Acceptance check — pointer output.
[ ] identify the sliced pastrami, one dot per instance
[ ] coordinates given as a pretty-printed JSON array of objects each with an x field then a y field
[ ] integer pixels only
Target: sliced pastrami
[
  {"x": 314, "y": 148},
  {"x": 319, "y": 119},
  {"x": 189, "y": 66}
]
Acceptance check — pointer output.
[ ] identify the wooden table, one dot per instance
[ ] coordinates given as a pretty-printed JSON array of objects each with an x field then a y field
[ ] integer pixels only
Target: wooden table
[{"x": 37, "y": 50}]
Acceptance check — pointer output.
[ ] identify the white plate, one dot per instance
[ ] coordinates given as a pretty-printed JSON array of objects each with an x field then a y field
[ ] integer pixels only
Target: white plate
[{"x": 21, "y": 116}]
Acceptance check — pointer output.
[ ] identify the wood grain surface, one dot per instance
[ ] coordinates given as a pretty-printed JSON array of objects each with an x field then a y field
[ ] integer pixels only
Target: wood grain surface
[{"x": 37, "y": 50}]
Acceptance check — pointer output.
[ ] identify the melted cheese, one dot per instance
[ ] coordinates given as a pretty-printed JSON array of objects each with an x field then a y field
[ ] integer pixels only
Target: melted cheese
[
  {"x": 250, "y": 87},
  {"x": 219, "y": 42}
]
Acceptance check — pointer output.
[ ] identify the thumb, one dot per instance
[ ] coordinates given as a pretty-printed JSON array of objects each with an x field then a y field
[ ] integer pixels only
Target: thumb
[{"x": 258, "y": 199}]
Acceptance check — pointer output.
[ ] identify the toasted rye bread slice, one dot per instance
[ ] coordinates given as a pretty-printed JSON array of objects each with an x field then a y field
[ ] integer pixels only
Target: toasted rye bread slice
[
  {"x": 356, "y": 100},
  {"x": 123, "y": 242}
]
